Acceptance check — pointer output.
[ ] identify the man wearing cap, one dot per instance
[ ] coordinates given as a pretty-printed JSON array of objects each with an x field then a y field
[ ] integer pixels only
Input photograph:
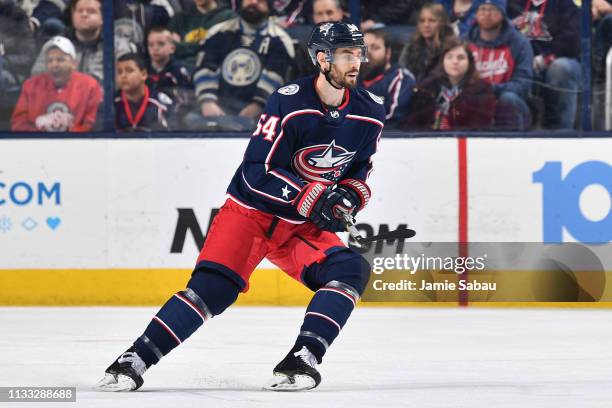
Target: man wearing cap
[{"x": 60, "y": 99}]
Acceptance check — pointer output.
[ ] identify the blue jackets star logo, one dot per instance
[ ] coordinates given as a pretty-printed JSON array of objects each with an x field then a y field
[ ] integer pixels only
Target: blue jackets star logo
[
  {"x": 324, "y": 163},
  {"x": 330, "y": 158}
]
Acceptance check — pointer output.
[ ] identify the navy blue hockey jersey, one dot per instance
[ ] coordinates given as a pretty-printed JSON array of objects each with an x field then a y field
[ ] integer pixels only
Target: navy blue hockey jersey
[
  {"x": 154, "y": 112},
  {"x": 173, "y": 80},
  {"x": 395, "y": 87},
  {"x": 298, "y": 140},
  {"x": 238, "y": 64}
]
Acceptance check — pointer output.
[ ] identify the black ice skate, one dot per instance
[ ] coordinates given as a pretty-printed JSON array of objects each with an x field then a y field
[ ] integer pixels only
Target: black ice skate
[
  {"x": 296, "y": 372},
  {"x": 124, "y": 374}
]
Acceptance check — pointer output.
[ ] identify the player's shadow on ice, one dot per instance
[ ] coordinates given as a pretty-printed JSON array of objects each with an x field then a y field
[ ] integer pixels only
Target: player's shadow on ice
[{"x": 350, "y": 388}]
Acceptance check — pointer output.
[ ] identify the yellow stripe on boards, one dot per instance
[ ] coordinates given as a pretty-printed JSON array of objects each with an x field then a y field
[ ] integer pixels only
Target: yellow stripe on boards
[
  {"x": 131, "y": 287},
  {"x": 142, "y": 287}
]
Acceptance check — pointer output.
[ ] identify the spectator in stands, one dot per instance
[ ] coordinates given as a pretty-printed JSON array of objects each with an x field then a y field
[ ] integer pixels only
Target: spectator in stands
[
  {"x": 390, "y": 82},
  {"x": 133, "y": 20},
  {"x": 137, "y": 108},
  {"x": 504, "y": 58},
  {"x": 165, "y": 74},
  {"x": 17, "y": 50},
  {"x": 374, "y": 13},
  {"x": 287, "y": 13},
  {"x": 189, "y": 27},
  {"x": 17, "y": 46},
  {"x": 86, "y": 35},
  {"x": 453, "y": 97},
  {"x": 461, "y": 13},
  {"x": 60, "y": 99},
  {"x": 243, "y": 61},
  {"x": 326, "y": 10},
  {"x": 553, "y": 28},
  {"x": 322, "y": 10},
  {"x": 601, "y": 11},
  {"x": 47, "y": 19},
  {"x": 422, "y": 52}
]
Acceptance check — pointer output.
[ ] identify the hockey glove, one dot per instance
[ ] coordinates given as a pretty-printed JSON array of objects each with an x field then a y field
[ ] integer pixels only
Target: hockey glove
[
  {"x": 358, "y": 190},
  {"x": 326, "y": 206}
]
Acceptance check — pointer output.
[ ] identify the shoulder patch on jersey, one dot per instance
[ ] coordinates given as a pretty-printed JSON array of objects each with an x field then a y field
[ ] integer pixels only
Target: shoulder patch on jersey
[
  {"x": 289, "y": 89},
  {"x": 375, "y": 98}
]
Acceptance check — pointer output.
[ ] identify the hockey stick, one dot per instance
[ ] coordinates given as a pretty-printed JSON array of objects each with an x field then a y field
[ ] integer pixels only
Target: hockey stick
[{"x": 401, "y": 233}]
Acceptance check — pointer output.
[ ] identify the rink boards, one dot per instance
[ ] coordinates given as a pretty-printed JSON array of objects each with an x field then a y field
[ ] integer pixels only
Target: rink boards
[{"x": 118, "y": 222}]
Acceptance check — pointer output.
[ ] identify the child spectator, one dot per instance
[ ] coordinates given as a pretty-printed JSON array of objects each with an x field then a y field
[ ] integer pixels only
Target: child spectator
[
  {"x": 553, "y": 29},
  {"x": 136, "y": 106},
  {"x": 60, "y": 99},
  {"x": 462, "y": 14},
  {"x": 189, "y": 27},
  {"x": 453, "y": 97},
  {"x": 503, "y": 58},
  {"x": 165, "y": 74},
  {"x": 422, "y": 52},
  {"x": 392, "y": 83}
]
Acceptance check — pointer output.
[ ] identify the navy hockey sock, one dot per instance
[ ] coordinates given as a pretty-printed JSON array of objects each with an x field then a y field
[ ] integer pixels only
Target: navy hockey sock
[
  {"x": 346, "y": 274},
  {"x": 207, "y": 294}
]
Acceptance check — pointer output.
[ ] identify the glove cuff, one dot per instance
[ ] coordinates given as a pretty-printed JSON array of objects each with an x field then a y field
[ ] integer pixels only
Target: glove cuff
[
  {"x": 308, "y": 197},
  {"x": 360, "y": 188}
]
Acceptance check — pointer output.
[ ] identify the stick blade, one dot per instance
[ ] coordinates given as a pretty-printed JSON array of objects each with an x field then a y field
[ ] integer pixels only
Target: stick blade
[{"x": 401, "y": 233}]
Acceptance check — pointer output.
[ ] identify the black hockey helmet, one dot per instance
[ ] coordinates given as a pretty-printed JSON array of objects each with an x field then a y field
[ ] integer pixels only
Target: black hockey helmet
[{"x": 328, "y": 36}]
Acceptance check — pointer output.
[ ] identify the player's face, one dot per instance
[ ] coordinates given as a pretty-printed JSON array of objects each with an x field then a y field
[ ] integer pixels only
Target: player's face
[
  {"x": 345, "y": 69},
  {"x": 325, "y": 10},
  {"x": 129, "y": 77},
  {"x": 428, "y": 24},
  {"x": 456, "y": 63},
  {"x": 378, "y": 56},
  {"x": 87, "y": 15},
  {"x": 160, "y": 46},
  {"x": 59, "y": 66},
  {"x": 489, "y": 17}
]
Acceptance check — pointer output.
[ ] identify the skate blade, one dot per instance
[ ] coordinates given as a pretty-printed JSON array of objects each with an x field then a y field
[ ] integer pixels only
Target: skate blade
[
  {"x": 110, "y": 383},
  {"x": 282, "y": 382}
]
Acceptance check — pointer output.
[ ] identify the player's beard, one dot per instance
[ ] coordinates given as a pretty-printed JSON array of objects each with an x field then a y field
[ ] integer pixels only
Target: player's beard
[{"x": 342, "y": 78}]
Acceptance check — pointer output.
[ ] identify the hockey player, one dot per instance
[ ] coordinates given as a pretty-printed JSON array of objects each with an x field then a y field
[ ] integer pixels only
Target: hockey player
[{"x": 306, "y": 164}]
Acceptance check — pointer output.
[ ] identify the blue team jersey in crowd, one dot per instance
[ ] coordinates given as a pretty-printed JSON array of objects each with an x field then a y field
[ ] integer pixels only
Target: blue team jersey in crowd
[
  {"x": 151, "y": 113},
  {"x": 395, "y": 87},
  {"x": 298, "y": 140},
  {"x": 239, "y": 64}
]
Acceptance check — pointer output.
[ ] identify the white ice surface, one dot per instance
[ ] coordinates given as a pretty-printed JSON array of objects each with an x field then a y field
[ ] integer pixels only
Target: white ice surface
[{"x": 419, "y": 358}]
